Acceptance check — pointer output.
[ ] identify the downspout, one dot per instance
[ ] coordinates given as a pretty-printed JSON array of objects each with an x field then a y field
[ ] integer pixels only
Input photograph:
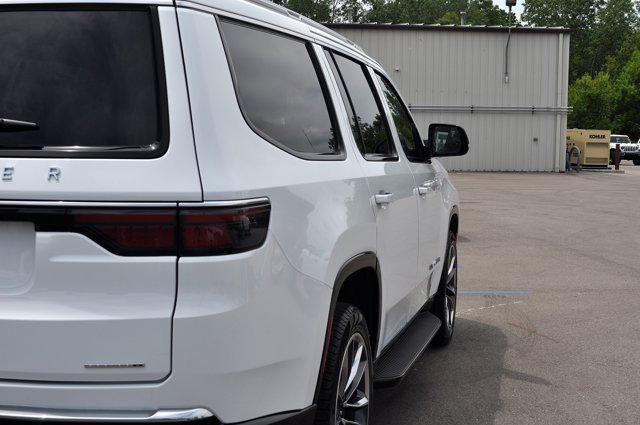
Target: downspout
[
  {"x": 558, "y": 142},
  {"x": 506, "y": 52}
]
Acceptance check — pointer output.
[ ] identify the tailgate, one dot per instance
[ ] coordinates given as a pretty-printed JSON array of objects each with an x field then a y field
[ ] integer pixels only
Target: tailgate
[{"x": 72, "y": 311}]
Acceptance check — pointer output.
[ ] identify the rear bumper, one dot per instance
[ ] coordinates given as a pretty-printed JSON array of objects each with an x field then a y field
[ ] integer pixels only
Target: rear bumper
[
  {"x": 198, "y": 416},
  {"x": 302, "y": 417},
  {"x": 70, "y": 416},
  {"x": 248, "y": 335}
]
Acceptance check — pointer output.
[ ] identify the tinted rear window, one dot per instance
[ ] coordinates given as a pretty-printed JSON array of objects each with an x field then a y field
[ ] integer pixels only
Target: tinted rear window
[
  {"x": 280, "y": 91},
  {"x": 89, "y": 79}
]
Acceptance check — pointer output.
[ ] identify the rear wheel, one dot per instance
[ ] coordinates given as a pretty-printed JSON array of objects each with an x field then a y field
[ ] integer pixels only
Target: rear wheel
[
  {"x": 347, "y": 384},
  {"x": 636, "y": 161},
  {"x": 445, "y": 302}
]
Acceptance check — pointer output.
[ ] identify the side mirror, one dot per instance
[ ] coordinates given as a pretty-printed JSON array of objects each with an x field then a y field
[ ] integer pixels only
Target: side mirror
[{"x": 447, "y": 140}]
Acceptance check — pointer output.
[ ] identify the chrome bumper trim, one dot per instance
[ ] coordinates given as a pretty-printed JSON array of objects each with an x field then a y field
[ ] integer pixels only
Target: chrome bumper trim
[{"x": 161, "y": 416}]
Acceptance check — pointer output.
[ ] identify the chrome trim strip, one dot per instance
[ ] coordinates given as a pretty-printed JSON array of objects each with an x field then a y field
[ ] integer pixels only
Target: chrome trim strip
[
  {"x": 96, "y": 204},
  {"x": 231, "y": 203},
  {"x": 165, "y": 415},
  {"x": 99, "y": 204}
]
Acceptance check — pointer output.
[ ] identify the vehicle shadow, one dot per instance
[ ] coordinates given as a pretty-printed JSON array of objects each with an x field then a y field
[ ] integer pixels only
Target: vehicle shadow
[{"x": 458, "y": 384}]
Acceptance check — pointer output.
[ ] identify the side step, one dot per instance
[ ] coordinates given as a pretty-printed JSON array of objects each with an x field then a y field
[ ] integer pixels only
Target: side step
[{"x": 396, "y": 362}]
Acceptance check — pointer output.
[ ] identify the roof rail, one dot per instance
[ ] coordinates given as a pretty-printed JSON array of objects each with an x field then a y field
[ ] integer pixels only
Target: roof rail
[
  {"x": 268, "y": 4},
  {"x": 277, "y": 8}
]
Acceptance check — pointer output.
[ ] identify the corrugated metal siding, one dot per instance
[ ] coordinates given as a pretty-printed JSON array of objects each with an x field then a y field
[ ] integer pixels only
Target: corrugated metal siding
[{"x": 447, "y": 68}]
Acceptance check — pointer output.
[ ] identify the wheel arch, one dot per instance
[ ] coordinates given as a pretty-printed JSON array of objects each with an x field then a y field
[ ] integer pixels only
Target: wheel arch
[
  {"x": 356, "y": 271},
  {"x": 454, "y": 220}
]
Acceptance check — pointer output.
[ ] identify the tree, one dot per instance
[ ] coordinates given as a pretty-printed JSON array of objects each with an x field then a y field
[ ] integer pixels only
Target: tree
[
  {"x": 599, "y": 28},
  {"x": 479, "y": 12},
  {"x": 348, "y": 11},
  {"x": 617, "y": 61},
  {"x": 611, "y": 99},
  {"x": 318, "y": 10},
  {"x": 410, "y": 11},
  {"x": 578, "y": 15},
  {"x": 616, "y": 21},
  {"x": 626, "y": 113},
  {"x": 592, "y": 100},
  {"x": 484, "y": 12}
]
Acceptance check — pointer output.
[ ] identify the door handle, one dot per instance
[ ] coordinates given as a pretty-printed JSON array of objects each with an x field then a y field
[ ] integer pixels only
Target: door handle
[
  {"x": 428, "y": 187},
  {"x": 383, "y": 199}
]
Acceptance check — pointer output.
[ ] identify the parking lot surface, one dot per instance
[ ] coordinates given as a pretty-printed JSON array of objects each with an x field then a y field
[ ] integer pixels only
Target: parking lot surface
[{"x": 548, "y": 325}]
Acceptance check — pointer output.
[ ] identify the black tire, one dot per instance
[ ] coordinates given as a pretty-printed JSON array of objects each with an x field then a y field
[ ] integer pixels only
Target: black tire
[
  {"x": 636, "y": 161},
  {"x": 444, "y": 304},
  {"x": 348, "y": 325}
]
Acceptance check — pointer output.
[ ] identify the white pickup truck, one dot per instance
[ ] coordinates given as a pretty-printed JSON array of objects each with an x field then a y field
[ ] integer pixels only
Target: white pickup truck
[{"x": 628, "y": 149}]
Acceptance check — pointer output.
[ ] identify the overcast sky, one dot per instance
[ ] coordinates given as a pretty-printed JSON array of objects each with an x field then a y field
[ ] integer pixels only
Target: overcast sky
[{"x": 517, "y": 9}]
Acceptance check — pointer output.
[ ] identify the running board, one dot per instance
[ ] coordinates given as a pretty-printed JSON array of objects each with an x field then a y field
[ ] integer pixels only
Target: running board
[{"x": 396, "y": 362}]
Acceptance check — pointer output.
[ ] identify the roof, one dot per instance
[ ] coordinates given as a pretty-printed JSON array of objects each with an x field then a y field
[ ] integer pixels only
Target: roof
[
  {"x": 268, "y": 6},
  {"x": 438, "y": 27}
]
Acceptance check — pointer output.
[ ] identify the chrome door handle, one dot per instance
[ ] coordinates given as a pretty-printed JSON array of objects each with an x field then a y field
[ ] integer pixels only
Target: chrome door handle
[
  {"x": 428, "y": 187},
  {"x": 424, "y": 190},
  {"x": 383, "y": 199}
]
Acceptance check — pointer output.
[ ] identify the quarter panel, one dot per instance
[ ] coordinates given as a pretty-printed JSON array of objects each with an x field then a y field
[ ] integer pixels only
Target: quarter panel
[
  {"x": 249, "y": 331},
  {"x": 321, "y": 211}
]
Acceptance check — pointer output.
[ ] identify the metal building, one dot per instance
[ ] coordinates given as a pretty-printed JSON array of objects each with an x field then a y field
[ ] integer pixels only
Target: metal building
[{"x": 456, "y": 75}]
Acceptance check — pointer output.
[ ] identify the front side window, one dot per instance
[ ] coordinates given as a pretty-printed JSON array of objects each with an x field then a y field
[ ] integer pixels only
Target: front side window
[
  {"x": 405, "y": 127},
  {"x": 367, "y": 118},
  {"x": 279, "y": 90},
  {"x": 83, "y": 82}
]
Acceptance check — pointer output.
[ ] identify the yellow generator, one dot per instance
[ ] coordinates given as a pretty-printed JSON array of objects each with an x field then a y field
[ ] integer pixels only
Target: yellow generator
[{"x": 593, "y": 145}]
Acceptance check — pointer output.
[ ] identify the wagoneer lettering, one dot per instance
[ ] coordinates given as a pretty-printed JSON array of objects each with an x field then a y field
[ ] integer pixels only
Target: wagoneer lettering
[{"x": 54, "y": 174}]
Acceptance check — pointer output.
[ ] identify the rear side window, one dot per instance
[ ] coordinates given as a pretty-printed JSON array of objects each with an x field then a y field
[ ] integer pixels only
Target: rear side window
[
  {"x": 280, "y": 91},
  {"x": 81, "y": 82},
  {"x": 368, "y": 121},
  {"x": 405, "y": 127}
]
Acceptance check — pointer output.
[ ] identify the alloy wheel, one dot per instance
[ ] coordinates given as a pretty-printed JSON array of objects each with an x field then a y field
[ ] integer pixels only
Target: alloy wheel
[
  {"x": 451, "y": 286},
  {"x": 354, "y": 384}
]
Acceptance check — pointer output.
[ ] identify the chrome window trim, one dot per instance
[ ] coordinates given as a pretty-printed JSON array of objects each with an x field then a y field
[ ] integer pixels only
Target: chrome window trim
[
  {"x": 99, "y": 204},
  {"x": 93, "y": 204},
  {"x": 165, "y": 415},
  {"x": 230, "y": 203}
]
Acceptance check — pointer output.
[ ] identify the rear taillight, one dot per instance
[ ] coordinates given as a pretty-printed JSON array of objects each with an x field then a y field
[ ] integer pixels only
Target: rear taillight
[
  {"x": 223, "y": 230},
  {"x": 128, "y": 232},
  {"x": 192, "y": 231}
]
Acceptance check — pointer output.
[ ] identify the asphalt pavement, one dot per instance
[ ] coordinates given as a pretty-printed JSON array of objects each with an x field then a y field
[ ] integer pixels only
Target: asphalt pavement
[{"x": 548, "y": 323}]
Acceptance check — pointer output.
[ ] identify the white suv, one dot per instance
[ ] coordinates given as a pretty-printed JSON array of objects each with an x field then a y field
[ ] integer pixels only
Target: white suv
[
  {"x": 628, "y": 149},
  {"x": 211, "y": 211}
]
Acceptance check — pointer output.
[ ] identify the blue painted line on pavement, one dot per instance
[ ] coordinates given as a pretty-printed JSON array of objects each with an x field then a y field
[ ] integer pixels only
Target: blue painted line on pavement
[{"x": 495, "y": 292}]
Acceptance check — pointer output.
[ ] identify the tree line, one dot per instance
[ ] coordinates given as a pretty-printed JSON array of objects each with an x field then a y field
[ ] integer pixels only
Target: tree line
[{"x": 604, "y": 71}]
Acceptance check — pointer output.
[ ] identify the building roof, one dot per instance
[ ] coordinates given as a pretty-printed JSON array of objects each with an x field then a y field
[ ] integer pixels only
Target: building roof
[{"x": 438, "y": 27}]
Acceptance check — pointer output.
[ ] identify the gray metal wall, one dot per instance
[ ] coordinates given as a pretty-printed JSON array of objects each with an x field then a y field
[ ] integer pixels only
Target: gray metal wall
[{"x": 443, "y": 73}]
